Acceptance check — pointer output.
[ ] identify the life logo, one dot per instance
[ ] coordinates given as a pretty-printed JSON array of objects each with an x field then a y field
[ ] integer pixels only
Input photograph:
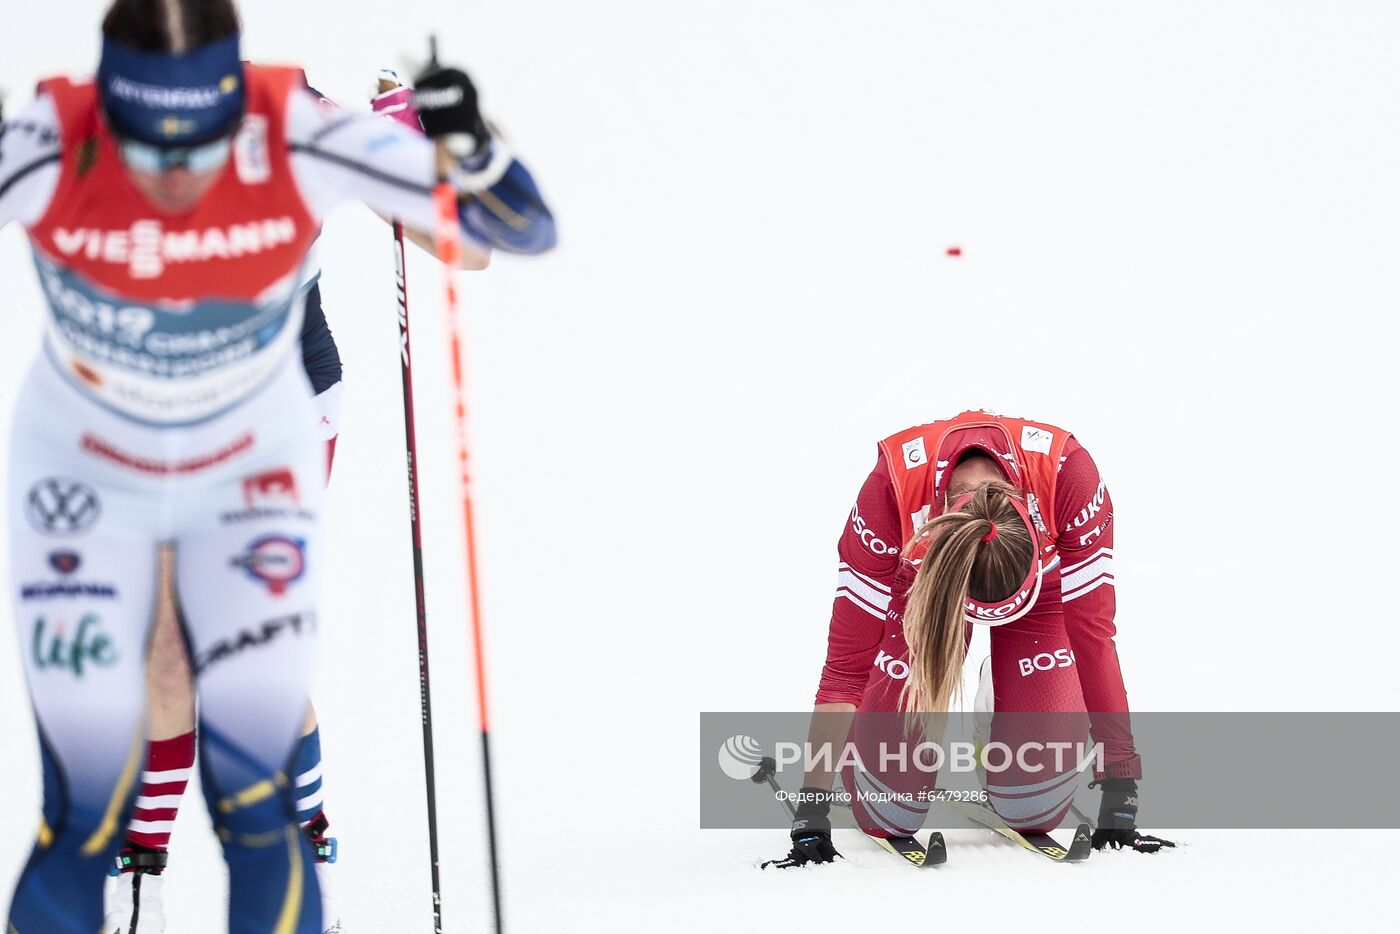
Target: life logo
[
  {"x": 59, "y": 647},
  {"x": 1046, "y": 661},
  {"x": 867, "y": 537},
  {"x": 275, "y": 560},
  {"x": 740, "y": 756}
]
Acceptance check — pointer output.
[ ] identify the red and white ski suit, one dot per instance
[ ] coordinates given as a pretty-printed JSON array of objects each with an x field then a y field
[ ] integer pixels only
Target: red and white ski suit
[{"x": 1060, "y": 658}]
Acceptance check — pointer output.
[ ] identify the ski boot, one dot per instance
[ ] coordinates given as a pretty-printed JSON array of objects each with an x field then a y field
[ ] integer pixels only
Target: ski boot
[
  {"x": 133, "y": 893},
  {"x": 326, "y": 850}
]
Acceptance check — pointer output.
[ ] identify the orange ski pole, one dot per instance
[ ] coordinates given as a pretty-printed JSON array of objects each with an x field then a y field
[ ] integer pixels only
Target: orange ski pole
[{"x": 449, "y": 250}]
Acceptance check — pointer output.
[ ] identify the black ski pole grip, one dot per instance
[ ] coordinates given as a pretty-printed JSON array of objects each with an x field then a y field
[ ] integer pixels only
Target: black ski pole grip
[{"x": 767, "y": 768}]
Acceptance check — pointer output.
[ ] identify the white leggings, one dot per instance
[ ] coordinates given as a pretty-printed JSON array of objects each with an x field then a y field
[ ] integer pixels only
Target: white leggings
[{"x": 91, "y": 496}]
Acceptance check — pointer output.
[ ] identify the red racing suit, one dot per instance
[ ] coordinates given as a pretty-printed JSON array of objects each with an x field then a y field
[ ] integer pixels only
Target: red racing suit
[{"x": 1059, "y": 658}]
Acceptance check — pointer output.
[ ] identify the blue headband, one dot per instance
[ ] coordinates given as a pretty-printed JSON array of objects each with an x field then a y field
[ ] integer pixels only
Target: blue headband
[{"x": 172, "y": 100}]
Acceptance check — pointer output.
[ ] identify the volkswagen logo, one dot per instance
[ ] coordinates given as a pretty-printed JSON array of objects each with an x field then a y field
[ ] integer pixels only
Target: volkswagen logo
[{"x": 62, "y": 507}]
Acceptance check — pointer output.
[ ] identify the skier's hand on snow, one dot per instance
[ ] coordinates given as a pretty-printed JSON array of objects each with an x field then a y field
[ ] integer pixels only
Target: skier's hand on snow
[
  {"x": 811, "y": 831},
  {"x": 812, "y": 847},
  {"x": 1118, "y": 819},
  {"x": 1132, "y": 839}
]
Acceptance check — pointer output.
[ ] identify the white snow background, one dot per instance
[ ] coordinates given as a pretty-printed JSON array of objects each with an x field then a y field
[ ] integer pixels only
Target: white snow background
[{"x": 1179, "y": 232}]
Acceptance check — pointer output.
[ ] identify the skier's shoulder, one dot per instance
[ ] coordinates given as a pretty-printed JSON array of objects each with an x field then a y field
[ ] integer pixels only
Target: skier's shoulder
[
  {"x": 28, "y": 133},
  {"x": 308, "y": 111},
  {"x": 31, "y": 152}
]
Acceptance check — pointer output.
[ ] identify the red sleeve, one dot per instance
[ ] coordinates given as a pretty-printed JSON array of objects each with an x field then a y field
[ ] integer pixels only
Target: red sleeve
[
  {"x": 1084, "y": 511},
  {"x": 866, "y": 579}
]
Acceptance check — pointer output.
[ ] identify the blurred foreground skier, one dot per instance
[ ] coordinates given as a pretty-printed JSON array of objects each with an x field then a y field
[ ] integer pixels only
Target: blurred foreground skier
[
  {"x": 134, "y": 898},
  {"x": 171, "y": 204}
]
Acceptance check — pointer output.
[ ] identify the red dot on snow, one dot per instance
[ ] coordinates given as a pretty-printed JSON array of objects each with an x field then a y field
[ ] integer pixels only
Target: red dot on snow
[{"x": 954, "y": 251}]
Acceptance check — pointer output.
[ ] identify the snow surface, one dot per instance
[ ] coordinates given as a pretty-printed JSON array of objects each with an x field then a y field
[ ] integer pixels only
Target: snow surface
[{"x": 1179, "y": 237}]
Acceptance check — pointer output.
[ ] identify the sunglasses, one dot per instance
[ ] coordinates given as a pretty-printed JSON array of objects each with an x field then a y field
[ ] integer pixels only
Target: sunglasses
[{"x": 207, "y": 157}]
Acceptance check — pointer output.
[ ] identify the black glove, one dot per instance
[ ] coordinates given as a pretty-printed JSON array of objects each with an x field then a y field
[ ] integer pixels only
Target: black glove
[
  {"x": 1118, "y": 818},
  {"x": 811, "y": 831},
  {"x": 447, "y": 105}
]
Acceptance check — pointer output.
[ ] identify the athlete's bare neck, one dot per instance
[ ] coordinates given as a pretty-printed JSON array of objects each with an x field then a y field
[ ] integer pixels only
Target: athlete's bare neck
[{"x": 972, "y": 473}]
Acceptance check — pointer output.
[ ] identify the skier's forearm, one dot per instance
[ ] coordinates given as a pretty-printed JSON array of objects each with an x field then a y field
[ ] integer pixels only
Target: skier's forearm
[
  {"x": 831, "y": 723},
  {"x": 1090, "y": 605},
  {"x": 511, "y": 214},
  {"x": 338, "y": 157}
]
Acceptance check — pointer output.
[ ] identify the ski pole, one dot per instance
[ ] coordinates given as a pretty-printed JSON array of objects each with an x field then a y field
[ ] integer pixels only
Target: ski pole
[
  {"x": 767, "y": 766},
  {"x": 448, "y": 236},
  {"x": 416, "y": 529}
]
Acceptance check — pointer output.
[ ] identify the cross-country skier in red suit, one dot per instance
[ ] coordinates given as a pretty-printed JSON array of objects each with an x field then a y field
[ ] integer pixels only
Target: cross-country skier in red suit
[
  {"x": 171, "y": 204},
  {"x": 977, "y": 519}
]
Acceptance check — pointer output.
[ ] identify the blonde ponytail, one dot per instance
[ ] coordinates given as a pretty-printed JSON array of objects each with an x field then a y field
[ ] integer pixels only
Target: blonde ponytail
[{"x": 960, "y": 561}]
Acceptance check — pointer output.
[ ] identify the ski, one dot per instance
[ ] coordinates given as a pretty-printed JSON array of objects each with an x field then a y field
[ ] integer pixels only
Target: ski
[
  {"x": 908, "y": 848},
  {"x": 1044, "y": 844},
  {"x": 935, "y": 854}
]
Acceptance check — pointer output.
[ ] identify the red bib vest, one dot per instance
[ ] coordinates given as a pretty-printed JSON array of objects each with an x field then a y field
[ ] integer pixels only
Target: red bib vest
[
  {"x": 170, "y": 318},
  {"x": 1030, "y": 454}
]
